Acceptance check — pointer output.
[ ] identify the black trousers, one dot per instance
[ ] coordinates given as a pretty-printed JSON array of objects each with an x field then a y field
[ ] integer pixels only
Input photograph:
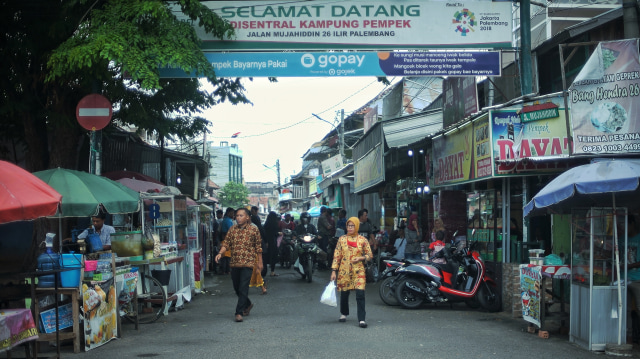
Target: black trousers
[
  {"x": 241, "y": 278},
  {"x": 344, "y": 303}
]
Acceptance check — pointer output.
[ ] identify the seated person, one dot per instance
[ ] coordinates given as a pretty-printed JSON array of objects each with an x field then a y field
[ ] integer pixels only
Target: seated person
[
  {"x": 101, "y": 229},
  {"x": 436, "y": 247}
]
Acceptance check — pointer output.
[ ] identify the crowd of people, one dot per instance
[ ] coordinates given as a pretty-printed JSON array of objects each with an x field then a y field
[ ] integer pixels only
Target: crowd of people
[{"x": 246, "y": 249}]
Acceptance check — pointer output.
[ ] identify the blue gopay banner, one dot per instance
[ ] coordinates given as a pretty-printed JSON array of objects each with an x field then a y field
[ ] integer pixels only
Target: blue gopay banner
[{"x": 323, "y": 64}]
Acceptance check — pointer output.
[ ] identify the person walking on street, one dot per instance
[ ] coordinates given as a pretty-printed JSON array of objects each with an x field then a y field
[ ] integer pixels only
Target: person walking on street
[
  {"x": 271, "y": 229},
  {"x": 342, "y": 220},
  {"x": 413, "y": 236},
  {"x": 348, "y": 267},
  {"x": 255, "y": 219},
  {"x": 324, "y": 232},
  {"x": 245, "y": 244},
  {"x": 227, "y": 223}
]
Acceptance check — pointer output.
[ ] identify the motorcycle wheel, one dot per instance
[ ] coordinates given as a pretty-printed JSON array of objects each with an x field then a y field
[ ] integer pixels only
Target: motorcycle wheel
[
  {"x": 309, "y": 269},
  {"x": 387, "y": 291},
  {"x": 488, "y": 297},
  {"x": 406, "y": 297},
  {"x": 372, "y": 273},
  {"x": 473, "y": 303}
]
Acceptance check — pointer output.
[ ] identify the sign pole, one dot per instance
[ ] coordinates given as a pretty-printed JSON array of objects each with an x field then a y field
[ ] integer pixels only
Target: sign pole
[{"x": 94, "y": 113}]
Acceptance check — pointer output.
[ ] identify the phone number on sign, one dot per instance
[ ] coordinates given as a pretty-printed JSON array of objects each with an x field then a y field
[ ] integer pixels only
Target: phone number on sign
[{"x": 612, "y": 148}]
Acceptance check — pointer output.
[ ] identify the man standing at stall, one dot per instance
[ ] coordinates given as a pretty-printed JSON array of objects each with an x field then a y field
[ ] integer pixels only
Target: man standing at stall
[
  {"x": 245, "y": 244},
  {"x": 103, "y": 230}
]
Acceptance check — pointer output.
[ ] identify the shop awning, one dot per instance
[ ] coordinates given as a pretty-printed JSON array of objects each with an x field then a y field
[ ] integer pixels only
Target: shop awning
[
  {"x": 335, "y": 177},
  {"x": 406, "y": 130}
]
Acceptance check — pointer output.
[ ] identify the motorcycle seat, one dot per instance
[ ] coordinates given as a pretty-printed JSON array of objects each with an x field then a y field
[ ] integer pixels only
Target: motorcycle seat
[{"x": 416, "y": 261}]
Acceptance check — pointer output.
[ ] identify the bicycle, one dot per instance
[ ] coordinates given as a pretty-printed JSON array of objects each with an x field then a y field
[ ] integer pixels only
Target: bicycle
[{"x": 150, "y": 304}]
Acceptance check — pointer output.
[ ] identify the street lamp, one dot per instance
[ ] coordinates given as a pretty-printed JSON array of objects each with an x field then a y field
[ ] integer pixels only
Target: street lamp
[
  {"x": 340, "y": 131},
  {"x": 277, "y": 171}
]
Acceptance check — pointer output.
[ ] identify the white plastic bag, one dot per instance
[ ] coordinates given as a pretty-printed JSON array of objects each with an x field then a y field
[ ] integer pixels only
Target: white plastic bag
[{"x": 329, "y": 295}]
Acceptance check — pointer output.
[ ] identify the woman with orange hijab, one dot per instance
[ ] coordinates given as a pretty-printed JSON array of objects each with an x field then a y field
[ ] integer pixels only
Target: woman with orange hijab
[{"x": 348, "y": 267}]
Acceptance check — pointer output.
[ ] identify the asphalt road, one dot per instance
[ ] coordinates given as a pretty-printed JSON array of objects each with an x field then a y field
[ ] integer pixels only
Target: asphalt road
[{"x": 290, "y": 322}]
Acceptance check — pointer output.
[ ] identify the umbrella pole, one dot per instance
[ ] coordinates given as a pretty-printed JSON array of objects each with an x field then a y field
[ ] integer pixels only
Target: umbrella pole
[
  {"x": 60, "y": 233},
  {"x": 617, "y": 254}
]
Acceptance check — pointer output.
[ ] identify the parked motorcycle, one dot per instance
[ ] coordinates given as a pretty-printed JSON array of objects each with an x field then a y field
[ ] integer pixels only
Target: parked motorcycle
[
  {"x": 287, "y": 249},
  {"x": 308, "y": 249},
  {"x": 388, "y": 282},
  {"x": 463, "y": 278}
]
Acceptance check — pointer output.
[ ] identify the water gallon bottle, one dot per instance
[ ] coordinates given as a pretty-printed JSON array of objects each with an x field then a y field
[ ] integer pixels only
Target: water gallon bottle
[
  {"x": 94, "y": 243},
  {"x": 48, "y": 261}
]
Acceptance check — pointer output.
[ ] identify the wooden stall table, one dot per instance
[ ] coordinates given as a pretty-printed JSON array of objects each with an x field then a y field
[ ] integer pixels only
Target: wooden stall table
[{"x": 16, "y": 327}]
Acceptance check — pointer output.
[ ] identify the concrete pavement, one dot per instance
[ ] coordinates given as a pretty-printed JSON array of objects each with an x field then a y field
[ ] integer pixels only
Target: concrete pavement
[{"x": 290, "y": 322}]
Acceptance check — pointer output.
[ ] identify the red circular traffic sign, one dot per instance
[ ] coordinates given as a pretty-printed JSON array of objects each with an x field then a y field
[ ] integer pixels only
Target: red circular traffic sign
[{"x": 94, "y": 112}]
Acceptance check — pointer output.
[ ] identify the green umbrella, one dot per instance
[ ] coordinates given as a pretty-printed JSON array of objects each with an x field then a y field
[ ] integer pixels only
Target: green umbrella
[{"x": 83, "y": 193}]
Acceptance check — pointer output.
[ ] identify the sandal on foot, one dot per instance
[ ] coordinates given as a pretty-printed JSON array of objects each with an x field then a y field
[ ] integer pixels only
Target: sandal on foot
[{"x": 343, "y": 318}]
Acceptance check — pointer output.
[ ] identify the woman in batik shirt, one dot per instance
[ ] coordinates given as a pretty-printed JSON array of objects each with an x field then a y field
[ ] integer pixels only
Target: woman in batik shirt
[{"x": 351, "y": 253}]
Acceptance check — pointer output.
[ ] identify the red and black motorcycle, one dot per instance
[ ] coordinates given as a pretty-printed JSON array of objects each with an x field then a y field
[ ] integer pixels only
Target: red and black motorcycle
[{"x": 462, "y": 279}]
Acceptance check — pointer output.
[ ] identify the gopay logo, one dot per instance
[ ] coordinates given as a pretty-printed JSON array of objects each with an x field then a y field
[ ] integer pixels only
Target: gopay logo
[{"x": 308, "y": 60}]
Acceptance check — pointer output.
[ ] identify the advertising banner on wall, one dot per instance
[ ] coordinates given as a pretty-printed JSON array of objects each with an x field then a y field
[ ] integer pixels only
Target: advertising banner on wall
[
  {"x": 452, "y": 157},
  {"x": 534, "y": 130},
  {"x": 482, "y": 148},
  {"x": 370, "y": 117},
  {"x": 604, "y": 101},
  {"x": 348, "y": 64},
  {"x": 368, "y": 170},
  {"x": 460, "y": 98},
  {"x": 464, "y": 155},
  {"x": 359, "y": 24},
  {"x": 331, "y": 165}
]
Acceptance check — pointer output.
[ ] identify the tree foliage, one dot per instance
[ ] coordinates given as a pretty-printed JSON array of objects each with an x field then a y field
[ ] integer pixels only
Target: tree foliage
[
  {"x": 57, "y": 52},
  {"x": 234, "y": 195}
]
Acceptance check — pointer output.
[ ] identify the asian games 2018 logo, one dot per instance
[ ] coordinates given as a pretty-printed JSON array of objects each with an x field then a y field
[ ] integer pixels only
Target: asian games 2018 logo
[{"x": 464, "y": 21}]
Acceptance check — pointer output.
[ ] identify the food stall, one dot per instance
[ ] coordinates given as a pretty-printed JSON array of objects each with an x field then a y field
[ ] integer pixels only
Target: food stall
[
  {"x": 596, "y": 318},
  {"x": 165, "y": 217},
  {"x": 194, "y": 248}
]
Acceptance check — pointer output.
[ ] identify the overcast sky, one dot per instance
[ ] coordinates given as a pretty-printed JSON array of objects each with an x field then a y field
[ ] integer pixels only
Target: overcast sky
[{"x": 280, "y": 124}]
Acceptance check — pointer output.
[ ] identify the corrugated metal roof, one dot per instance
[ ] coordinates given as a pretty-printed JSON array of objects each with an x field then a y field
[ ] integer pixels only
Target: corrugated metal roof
[{"x": 409, "y": 129}]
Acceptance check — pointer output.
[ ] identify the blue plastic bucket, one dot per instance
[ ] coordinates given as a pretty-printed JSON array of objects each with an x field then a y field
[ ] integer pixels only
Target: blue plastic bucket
[{"x": 70, "y": 278}]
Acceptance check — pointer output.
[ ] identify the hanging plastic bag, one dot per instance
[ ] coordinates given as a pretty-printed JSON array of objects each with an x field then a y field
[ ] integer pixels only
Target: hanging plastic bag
[{"x": 329, "y": 295}]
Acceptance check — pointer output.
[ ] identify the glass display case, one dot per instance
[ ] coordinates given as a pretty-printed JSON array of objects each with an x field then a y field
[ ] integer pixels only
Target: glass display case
[
  {"x": 483, "y": 223},
  {"x": 594, "y": 289},
  {"x": 166, "y": 216}
]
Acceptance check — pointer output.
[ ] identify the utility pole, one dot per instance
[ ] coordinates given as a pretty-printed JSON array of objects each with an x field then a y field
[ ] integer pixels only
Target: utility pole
[
  {"x": 525, "y": 48},
  {"x": 341, "y": 135},
  {"x": 278, "y": 169}
]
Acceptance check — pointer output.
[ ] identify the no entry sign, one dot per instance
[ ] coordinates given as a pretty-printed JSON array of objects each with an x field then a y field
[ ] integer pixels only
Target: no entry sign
[{"x": 94, "y": 112}]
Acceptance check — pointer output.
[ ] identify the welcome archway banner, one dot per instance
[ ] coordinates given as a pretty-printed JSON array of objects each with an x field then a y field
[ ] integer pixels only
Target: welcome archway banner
[{"x": 360, "y": 24}]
